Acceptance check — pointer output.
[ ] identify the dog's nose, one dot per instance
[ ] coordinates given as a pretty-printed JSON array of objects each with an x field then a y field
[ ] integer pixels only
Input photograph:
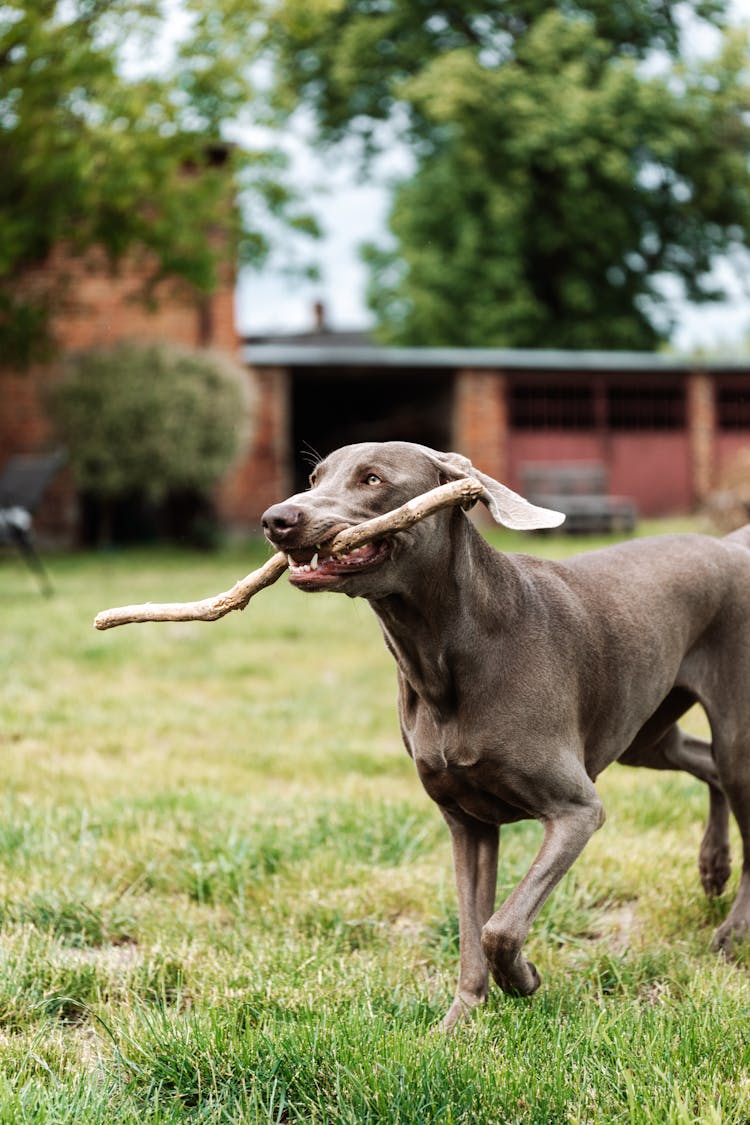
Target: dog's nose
[{"x": 279, "y": 520}]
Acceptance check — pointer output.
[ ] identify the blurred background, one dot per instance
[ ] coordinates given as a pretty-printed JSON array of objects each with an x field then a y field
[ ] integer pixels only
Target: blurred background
[{"x": 237, "y": 235}]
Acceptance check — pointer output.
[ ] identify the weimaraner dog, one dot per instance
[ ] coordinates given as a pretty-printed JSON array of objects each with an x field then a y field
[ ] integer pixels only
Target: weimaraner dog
[{"x": 521, "y": 679}]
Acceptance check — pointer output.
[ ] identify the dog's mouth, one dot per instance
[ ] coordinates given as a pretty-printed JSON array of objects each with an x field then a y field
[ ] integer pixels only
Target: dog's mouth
[{"x": 316, "y": 567}]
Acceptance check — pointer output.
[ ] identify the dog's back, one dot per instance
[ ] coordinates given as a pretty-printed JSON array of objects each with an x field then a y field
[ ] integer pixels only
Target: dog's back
[{"x": 741, "y": 536}]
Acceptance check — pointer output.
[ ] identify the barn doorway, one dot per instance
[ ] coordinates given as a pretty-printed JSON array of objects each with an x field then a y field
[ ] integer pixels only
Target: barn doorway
[{"x": 333, "y": 407}]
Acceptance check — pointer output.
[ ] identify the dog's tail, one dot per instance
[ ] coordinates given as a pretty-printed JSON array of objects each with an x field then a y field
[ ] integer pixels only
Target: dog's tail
[{"x": 741, "y": 536}]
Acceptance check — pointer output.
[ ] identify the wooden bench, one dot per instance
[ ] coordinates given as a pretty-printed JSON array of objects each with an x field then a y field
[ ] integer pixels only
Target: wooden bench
[{"x": 581, "y": 490}]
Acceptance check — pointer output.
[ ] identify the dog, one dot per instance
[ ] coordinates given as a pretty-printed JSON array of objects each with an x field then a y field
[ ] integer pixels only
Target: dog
[{"x": 520, "y": 680}]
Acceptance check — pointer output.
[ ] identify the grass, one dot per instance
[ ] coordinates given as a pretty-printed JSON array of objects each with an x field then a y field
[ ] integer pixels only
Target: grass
[{"x": 224, "y": 896}]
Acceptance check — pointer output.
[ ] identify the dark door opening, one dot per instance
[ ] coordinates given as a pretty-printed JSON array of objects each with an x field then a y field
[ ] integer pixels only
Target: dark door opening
[{"x": 331, "y": 408}]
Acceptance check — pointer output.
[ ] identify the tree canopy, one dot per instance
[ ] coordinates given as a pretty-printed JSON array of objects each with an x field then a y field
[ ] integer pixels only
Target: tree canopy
[
  {"x": 568, "y": 157},
  {"x": 98, "y": 147}
]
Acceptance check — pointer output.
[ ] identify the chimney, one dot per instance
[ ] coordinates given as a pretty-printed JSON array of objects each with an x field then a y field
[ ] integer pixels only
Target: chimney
[{"x": 319, "y": 317}]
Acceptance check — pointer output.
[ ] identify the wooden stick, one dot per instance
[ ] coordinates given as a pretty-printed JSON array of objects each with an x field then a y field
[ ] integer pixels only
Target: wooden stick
[{"x": 462, "y": 491}]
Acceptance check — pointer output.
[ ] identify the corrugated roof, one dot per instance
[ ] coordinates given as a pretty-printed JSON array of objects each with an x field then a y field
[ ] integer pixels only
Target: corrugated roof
[{"x": 502, "y": 359}]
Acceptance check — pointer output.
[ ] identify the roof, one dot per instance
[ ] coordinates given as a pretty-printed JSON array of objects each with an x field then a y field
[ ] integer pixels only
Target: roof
[
  {"x": 343, "y": 353},
  {"x": 315, "y": 338}
]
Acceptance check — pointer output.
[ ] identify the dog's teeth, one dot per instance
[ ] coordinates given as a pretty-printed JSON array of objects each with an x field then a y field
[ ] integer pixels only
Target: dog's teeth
[
  {"x": 314, "y": 561},
  {"x": 291, "y": 562}
]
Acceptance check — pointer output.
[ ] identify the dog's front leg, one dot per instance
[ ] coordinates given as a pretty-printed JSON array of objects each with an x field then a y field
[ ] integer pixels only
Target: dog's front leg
[
  {"x": 475, "y": 846},
  {"x": 566, "y": 832}
]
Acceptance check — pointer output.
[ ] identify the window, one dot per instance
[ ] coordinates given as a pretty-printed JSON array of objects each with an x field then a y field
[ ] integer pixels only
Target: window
[
  {"x": 588, "y": 406},
  {"x": 552, "y": 407},
  {"x": 733, "y": 408},
  {"x": 646, "y": 408}
]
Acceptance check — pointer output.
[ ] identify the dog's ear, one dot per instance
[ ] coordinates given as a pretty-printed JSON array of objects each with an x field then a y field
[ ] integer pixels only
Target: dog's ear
[{"x": 506, "y": 506}]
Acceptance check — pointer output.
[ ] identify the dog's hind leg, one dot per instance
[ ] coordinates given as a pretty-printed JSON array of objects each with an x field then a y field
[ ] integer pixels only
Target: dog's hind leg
[
  {"x": 714, "y": 858},
  {"x": 676, "y": 750},
  {"x": 733, "y": 764},
  {"x": 673, "y": 749}
]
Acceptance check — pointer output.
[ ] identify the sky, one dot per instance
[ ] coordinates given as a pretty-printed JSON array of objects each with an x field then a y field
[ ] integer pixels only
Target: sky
[{"x": 350, "y": 213}]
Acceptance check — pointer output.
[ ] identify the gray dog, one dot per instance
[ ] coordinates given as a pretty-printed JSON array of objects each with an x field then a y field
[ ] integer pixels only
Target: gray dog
[{"x": 520, "y": 680}]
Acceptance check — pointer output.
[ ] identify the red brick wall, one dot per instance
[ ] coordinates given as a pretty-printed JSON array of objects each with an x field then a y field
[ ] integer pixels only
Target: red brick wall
[
  {"x": 667, "y": 472},
  {"x": 480, "y": 425},
  {"x": 701, "y": 411},
  {"x": 101, "y": 307},
  {"x": 264, "y": 476}
]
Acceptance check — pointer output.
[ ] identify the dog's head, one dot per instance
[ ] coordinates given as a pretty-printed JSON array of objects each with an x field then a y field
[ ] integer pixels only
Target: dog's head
[{"x": 358, "y": 482}]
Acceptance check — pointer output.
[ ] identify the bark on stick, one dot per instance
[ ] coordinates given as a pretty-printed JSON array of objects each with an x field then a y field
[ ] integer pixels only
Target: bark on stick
[{"x": 463, "y": 491}]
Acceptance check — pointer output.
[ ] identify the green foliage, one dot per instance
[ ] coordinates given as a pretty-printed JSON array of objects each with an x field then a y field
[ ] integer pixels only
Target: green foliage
[
  {"x": 349, "y": 59},
  {"x": 150, "y": 419},
  {"x": 96, "y": 150},
  {"x": 560, "y": 172}
]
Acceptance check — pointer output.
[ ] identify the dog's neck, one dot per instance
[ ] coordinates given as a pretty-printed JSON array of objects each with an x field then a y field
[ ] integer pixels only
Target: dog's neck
[{"x": 440, "y": 616}]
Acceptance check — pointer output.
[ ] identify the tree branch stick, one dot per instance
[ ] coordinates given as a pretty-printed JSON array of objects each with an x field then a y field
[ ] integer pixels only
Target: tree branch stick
[{"x": 462, "y": 491}]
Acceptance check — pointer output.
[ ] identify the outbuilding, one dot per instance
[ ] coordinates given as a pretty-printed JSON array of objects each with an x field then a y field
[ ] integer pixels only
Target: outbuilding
[{"x": 663, "y": 428}]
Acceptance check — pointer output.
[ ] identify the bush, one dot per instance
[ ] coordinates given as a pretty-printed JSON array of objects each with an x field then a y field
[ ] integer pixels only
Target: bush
[{"x": 150, "y": 423}]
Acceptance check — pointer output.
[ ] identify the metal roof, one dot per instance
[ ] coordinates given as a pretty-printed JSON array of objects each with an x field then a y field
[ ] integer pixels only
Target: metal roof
[{"x": 501, "y": 359}]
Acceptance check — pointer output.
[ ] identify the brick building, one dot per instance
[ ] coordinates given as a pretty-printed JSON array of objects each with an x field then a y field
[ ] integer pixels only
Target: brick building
[
  {"x": 663, "y": 427},
  {"x": 102, "y": 306}
]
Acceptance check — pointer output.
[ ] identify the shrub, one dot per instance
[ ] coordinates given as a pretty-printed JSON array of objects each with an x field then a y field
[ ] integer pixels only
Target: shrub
[{"x": 150, "y": 422}]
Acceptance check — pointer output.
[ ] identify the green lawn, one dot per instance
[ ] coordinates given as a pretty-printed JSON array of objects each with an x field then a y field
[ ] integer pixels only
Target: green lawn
[{"x": 224, "y": 896}]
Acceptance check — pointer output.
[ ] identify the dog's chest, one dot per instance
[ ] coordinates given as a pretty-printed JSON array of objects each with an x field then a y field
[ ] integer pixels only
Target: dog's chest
[
  {"x": 436, "y": 743},
  {"x": 454, "y": 778},
  {"x": 459, "y": 770}
]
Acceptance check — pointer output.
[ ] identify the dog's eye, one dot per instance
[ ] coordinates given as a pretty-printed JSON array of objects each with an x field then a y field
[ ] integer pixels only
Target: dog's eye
[{"x": 373, "y": 478}]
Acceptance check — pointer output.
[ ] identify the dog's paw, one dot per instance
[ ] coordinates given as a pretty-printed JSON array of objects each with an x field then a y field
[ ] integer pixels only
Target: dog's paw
[
  {"x": 460, "y": 1011},
  {"x": 510, "y": 969},
  {"x": 522, "y": 980},
  {"x": 715, "y": 867},
  {"x": 732, "y": 939}
]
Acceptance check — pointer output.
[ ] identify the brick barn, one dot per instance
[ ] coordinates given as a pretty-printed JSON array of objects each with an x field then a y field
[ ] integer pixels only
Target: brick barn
[
  {"x": 97, "y": 303},
  {"x": 664, "y": 428},
  {"x": 103, "y": 306}
]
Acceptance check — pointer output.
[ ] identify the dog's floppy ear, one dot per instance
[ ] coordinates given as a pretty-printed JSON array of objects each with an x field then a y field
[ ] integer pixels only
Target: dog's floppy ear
[{"x": 506, "y": 506}]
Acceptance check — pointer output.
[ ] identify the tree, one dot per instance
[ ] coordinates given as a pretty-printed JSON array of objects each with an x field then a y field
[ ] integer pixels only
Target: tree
[
  {"x": 559, "y": 178},
  {"x": 149, "y": 423},
  {"x": 96, "y": 148}
]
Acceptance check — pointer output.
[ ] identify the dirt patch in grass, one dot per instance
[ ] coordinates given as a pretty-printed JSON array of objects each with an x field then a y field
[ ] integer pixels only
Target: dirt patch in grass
[
  {"x": 112, "y": 958},
  {"x": 618, "y": 926}
]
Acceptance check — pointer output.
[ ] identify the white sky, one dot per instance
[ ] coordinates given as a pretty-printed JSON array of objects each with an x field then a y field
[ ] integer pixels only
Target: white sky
[{"x": 351, "y": 213}]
